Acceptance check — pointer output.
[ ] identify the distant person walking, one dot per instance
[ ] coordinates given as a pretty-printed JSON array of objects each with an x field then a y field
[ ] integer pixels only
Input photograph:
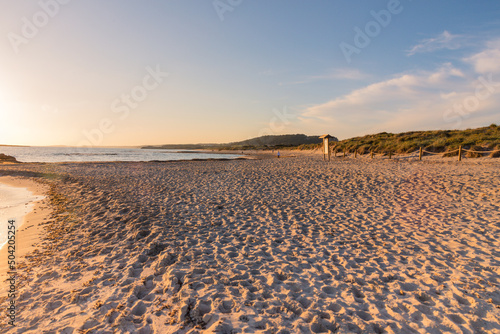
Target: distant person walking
[{"x": 278, "y": 154}]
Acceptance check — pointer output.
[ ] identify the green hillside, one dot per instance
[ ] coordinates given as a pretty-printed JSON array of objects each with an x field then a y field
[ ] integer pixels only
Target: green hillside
[
  {"x": 263, "y": 142},
  {"x": 277, "y": 141},
  {"x": 480, "y": 139}
]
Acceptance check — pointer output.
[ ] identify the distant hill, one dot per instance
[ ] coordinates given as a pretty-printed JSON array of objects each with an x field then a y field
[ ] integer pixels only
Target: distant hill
[
  {"x": 480, "y": 139},
  {"x": 281, "y": 140},
  {"x": 262, "y": 142},
  {"x": 13, "y": 145}
]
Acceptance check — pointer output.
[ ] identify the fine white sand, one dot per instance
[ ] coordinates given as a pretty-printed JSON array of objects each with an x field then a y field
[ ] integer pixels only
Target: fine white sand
[{"x": 292, "y": 245}]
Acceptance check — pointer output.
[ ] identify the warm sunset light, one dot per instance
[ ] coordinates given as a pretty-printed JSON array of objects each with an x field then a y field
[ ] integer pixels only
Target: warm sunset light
[
  {"x": 249, "y": 166},
  {"x": 175, "y": 72}
]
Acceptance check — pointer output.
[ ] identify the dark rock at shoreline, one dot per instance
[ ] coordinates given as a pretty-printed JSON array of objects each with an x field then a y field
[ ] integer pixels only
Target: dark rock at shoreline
[{"x": 7, "y": 158}]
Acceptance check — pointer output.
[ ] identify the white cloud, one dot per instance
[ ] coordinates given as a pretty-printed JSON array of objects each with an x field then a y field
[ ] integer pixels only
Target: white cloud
[
  {"x": 420, "y": 100},
  {"x": 446, "y": 71},
  {"x": 488, "y": 60},
  {"x": 445, "y": 40}
]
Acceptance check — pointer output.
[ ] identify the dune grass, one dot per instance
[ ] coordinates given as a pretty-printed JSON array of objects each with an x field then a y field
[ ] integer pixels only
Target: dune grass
[{"x": 440, "y": 141}]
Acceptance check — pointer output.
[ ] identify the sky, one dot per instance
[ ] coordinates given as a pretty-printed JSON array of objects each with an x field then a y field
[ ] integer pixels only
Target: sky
[{"x": 127, "y": 73}]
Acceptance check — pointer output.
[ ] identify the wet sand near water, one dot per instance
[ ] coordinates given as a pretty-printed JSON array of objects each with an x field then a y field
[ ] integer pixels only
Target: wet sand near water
[{"x": 29, "y": 232}]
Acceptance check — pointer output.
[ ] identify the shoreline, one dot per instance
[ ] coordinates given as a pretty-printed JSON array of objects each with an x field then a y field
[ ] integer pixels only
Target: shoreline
[
  {"x": 245, "y": 157},
  {"x": 29, "y": 232},
  {"x": 285, "y": 153}
]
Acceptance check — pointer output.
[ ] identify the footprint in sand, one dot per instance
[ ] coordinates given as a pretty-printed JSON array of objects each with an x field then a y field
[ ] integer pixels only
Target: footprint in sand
[{"x": 328, "y": 290}]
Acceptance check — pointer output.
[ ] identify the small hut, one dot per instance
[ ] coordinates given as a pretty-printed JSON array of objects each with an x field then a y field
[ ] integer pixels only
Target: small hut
[{"x": 326, "y": 146}]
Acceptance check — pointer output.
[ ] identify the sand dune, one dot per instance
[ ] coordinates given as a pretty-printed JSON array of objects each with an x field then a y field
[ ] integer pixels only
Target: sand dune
[{"x": 266, "y": 246}]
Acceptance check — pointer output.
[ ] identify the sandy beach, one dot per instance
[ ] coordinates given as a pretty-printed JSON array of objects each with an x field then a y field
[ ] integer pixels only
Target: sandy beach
[
  {"x": 292, "y": 245},
  {"x": 29, "y": 232}
]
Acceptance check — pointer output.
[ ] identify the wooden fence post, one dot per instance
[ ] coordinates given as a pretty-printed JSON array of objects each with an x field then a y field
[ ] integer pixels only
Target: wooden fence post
[
  {"x": 355, "y": 153},
  {"x": 390, "y": 154},
  {"x": 344, "y": 153},
  {"x": 420, "y": 154},
  {"x": 372, "y": 154},
  {"x": 460, "y": 153}
]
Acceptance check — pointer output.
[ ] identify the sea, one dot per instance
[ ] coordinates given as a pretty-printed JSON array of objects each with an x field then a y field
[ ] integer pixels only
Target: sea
[
  {"x": 99, "y": 154},
  {"x": 16, "y": 202}
]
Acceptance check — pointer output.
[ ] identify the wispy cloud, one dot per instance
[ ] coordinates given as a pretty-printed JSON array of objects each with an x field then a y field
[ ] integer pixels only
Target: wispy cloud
[
  {"x": 333, "y": 74},
  {"x": 408, "y": 101},
  {"x": 445, "y": 40},
  {"x": 346, "y": 73}
]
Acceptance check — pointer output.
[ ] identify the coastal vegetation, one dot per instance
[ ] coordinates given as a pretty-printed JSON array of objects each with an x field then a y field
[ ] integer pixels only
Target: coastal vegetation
[{"x": 438, "y": 141}]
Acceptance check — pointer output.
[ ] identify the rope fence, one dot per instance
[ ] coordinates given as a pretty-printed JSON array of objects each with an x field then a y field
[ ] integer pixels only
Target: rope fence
[
  {"x": 480, "y": 151},
  {"x": 420, "y": 152}
]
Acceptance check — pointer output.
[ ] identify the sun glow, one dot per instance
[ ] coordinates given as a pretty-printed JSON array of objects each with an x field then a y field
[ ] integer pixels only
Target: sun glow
[{"x": 7, "y": 128}]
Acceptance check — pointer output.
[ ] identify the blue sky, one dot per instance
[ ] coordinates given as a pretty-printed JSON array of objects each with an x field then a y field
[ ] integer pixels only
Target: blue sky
[{"x": 151, "y": 72}]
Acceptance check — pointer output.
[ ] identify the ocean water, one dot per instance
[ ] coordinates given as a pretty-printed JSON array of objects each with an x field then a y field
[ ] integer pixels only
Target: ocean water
[
  {"x": 79, "y": 154},
  {"x": 15, "y": 203}
]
